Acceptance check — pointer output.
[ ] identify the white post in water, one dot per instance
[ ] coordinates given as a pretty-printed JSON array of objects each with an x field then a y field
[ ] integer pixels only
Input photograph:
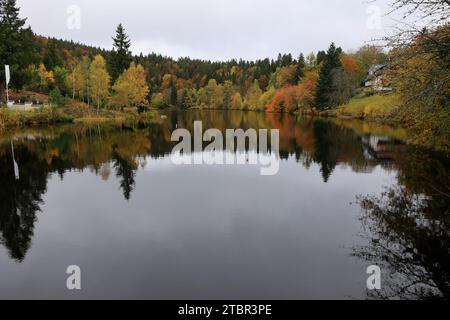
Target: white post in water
[{"x": 8, "y": 78}]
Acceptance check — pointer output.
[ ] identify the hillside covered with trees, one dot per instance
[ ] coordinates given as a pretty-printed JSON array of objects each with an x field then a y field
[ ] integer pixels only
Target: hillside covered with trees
[{"x": 97, "y": 76}]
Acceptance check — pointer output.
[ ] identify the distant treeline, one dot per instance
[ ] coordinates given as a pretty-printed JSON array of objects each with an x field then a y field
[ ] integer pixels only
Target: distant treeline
[{"x": 282, "y": 84}]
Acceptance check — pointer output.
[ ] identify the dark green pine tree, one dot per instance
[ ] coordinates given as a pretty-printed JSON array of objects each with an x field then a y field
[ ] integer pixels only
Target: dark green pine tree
[
  {"x": 286, "y": 60},
  {"x": 18, "y": 47},
  {"x": 51, "y": 58},
  {"x": 301, "y": 64},
  {"x": 321, "y": 56},
  {"x": 331, "y": 61},
  {"x": 120, "y": 58}
]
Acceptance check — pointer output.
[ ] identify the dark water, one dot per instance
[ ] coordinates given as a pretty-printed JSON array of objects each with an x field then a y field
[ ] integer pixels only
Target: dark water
[{"x": 108, "y": 199}]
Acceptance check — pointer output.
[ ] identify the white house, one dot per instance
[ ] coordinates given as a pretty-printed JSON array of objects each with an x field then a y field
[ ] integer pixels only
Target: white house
[{"x": 377, "y": 80}]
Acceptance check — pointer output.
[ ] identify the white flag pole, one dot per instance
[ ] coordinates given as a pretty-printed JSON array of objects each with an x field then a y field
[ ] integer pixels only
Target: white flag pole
[{"x": 8, "y": 78}]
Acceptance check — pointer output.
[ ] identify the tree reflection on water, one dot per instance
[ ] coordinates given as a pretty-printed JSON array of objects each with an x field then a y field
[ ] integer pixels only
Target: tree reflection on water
[
  {"x": 20, "y": 199},
  {"x": 408, "y": 228}
]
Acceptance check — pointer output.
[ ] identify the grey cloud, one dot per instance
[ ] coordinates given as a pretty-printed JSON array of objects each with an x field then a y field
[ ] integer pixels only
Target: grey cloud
[{"x": 212, "y": 29}]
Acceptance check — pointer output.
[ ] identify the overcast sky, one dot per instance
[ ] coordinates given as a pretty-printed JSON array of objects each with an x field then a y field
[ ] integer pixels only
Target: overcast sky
[{"x": 214, "y": 29}]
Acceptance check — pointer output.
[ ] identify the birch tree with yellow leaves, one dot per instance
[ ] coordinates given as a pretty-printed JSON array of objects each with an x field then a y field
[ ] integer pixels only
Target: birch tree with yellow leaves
[
  {"x": 99, "y": 81},
  {"x": 131, "y": 89}
]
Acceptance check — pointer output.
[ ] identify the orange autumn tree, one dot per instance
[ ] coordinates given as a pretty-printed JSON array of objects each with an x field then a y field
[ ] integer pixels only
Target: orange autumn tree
[
  {"x": 284, "y": 100},
  {"x": 350, "y": 65},
  {"x": 292, "y": 98},
  {"x": 307, "y": 90}
]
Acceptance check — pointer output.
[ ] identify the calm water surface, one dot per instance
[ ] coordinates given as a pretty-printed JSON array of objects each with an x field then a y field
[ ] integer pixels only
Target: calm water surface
[{"x": 108, "y": 199}]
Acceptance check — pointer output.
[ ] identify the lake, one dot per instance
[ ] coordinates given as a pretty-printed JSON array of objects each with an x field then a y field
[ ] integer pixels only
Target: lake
[{"x": 107, "y": 198}]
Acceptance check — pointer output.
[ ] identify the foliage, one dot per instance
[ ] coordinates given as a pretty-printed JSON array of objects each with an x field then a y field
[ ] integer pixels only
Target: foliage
[
  {"x": 55, "y": 98},
  {"x": 131, "y": 89},
  {"x": 158, "y": 101},
  {"x": 253, "y": 95},
  {"x": 51, "y": 59},
  {"x": 285, "y": 76},
  {"x": 292, "y": 98},
  {"x": 307, "y": 90},
  {"x": 331, "y": 61},
  {"x": 431, "y": 129},
  {"x": 9, "y": 118},
  {"x": 46, "y": 78},
  {"x": 17, "y": 46},
  {"x": 342, "y": 88},
  {"x": 300, "y": 68},
  {"x": 236, "y": 102},
  {"x": 349, "y": 64},
  {"x": 188, "y": 99},
  {"x": 120, "y": 57},
  {"x": 366, "y": 57},
  {"x": 99, "y": 80},
  {"x": 266, "y": 98},
  {"x": 284, "y": 100},
  {"x": 60, "y": 79},
  {"x": 421, "y": 74}
]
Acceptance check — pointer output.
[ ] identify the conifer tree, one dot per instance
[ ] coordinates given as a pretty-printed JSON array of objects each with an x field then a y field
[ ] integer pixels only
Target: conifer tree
[
  {"x": 120, "y": 58},
  {"x": 51, "y": 58},
  {"x": 331, "y": 61},
  {"x": 17, "y": 46},
  {"x": 300, "y": 70}
]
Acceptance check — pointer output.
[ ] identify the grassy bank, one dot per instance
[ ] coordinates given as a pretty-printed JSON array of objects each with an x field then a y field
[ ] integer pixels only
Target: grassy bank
[
  {"x": 376, "y": 107},
  {"x": 428, "y": 129},
  {"x": 42, "y": 116},
  {"x": 49, "y": 116},
  {"x": 431, "y": 132},
  {"x": 127, "y": 117}
]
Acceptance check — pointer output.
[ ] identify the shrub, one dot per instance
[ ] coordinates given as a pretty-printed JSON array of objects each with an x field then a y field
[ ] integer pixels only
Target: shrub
[
  {"x": 55, "y": 98},
  {"x": 11, "y": 118}
]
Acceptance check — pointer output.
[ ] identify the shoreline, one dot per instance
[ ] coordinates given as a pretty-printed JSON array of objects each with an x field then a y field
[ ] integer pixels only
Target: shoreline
[{"x": 48, "y": 117}]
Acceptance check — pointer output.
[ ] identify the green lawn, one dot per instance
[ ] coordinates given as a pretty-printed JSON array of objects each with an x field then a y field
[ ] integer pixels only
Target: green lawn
[{"x": 372, "y": 107}]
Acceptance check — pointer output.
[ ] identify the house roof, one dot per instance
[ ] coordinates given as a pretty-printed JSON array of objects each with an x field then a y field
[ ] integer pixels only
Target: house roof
[{"x": 376, "y": 68}]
